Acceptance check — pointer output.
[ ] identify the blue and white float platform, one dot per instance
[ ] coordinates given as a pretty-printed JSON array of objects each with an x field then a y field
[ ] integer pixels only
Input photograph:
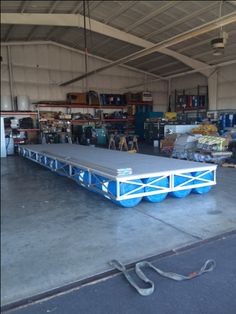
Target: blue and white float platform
[{"x": 124, "y": 178}]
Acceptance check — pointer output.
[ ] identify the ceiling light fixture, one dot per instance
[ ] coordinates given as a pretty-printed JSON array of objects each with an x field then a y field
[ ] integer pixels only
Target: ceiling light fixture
[{"x": 218, "y": 44}]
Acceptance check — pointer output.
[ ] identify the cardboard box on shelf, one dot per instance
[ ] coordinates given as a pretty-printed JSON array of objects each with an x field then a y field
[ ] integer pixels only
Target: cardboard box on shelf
[
  {"x": 77, "y": 98},
  {"x": 48, "y": 115},
  {"x": 93, "y": 98}
]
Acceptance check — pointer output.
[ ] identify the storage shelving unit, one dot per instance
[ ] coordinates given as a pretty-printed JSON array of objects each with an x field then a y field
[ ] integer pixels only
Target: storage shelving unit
[
  {"x": 31, "y": 134},
  {"x": 23, "y": 114},
  {"x": 192, "y": 103},
  {"x": 112, "y": 124},
  {"x": 67, "y": 105},
  {"x": 126, "y": 124},
  {"x": 28, "y": 130},
  {"x": 76, "y": 106},
  {"x": 131, "y": 107},
  {"x": 18, "y": 113}
]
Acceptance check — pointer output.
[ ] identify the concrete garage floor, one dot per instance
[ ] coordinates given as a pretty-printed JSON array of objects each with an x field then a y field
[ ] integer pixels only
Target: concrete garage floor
[
  {"x": 211, "y": 293},
  {"x": 55, "y": 232}
]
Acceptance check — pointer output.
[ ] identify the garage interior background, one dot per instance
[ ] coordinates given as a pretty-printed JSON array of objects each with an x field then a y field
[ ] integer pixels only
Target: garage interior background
[
  {"x": 56, "y": 233},
  {"x": 43, "y": 55}
]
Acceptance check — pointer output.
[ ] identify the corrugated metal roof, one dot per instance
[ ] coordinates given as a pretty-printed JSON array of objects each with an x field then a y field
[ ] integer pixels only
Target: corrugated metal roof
[
  {"x": 151, "y": 20},
  {"x": 11, "y": 6}
]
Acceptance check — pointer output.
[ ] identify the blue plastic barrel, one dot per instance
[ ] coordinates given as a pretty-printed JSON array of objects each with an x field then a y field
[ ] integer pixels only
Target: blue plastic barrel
[
  {"x": 179, "y": 180},
  {"x": 82, "y": 177},
  {"x": 204, "y": 189},
  {"x": 125, "y": 188},
  {"x": 85, "y": 175},
  {"x": 156, "y": 197}
]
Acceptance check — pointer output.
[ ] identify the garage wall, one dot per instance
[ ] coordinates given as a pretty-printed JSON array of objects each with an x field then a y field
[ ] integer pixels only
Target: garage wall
[
  {"x": 226, "y": 91},
  {"x": 222, "y": 86},
  {"x": 187, "y": 82},
  {"x": 39, "y": 69}
]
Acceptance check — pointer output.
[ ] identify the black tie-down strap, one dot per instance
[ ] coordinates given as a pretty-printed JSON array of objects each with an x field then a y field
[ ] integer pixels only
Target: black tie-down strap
[{"x": 207, "y": 267}]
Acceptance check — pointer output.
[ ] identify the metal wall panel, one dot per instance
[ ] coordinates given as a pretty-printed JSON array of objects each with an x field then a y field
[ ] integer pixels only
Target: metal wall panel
[
  {"x": 188, "y": 81},
  {"x": 20, "y": 89},
  {"x": 54, "y": 57},
  {"x": 227, "y": 73},
  {"x": 4, "y": 53},
  {"x": 30, "y": 55},
  {"x": 18, "y": 55},
  {"x": 4, "y": 73},
  {"x": 227, "y": 87},
  {"x": 160, "y": 101},
  {"x": 42, "y": 56},
  {"x": 38, "y": 70},
  {"x": 30, "y": 76},
  {"x": 19, "y": 74},
  {"x": 65, "y": 59}
]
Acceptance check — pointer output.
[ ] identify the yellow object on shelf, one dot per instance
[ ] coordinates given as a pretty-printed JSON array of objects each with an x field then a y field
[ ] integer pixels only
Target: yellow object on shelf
[
  {"x": 205, "y": 129},
  {"x": 171, "y": 115}
]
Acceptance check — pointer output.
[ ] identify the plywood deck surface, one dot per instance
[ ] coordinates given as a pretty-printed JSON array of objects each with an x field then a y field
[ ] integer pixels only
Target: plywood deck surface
[{"x": 113, "y": 161}]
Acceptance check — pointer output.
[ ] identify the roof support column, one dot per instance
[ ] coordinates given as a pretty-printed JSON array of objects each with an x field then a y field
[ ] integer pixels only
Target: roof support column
[{"x": 212, "y": 90}]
